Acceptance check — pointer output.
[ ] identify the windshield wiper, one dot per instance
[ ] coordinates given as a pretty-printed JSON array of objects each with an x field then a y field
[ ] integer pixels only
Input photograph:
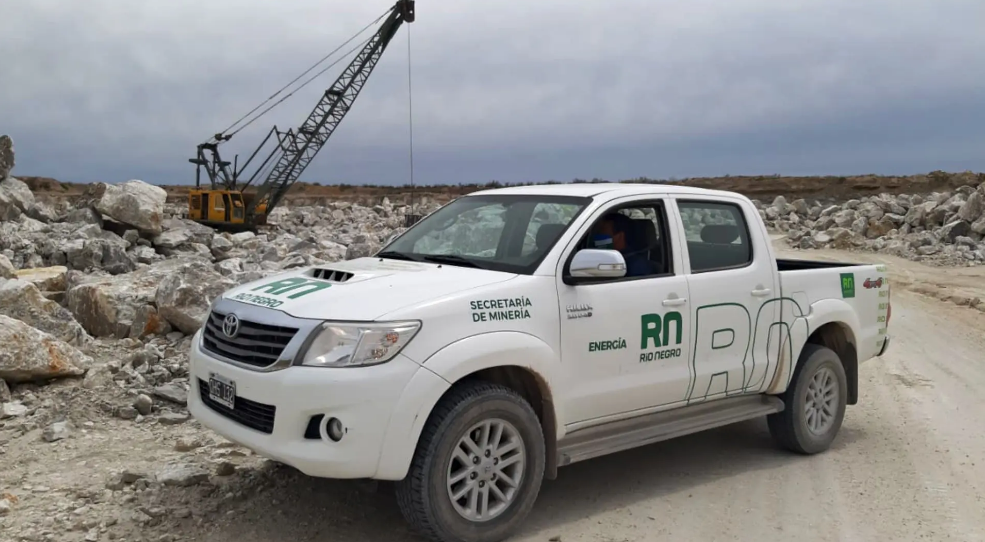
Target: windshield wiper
[
  {"x": 394, "y": 255},
  {"x": 452, "y": 259}
]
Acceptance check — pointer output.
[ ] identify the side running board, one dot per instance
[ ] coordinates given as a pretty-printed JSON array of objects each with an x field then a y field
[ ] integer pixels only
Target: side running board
[{"x": 640, "y": 431}]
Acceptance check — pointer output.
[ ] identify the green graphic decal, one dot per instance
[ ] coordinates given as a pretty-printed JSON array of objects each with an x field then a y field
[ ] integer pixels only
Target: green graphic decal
[
  {"x": 513, "y": 308},
  {"x": 847, "y": 285},
  {"x": 722, "y": 338},
  {"x": 651, "y": 330},
  {"x": 600, "y": 346},
  {"x": 305, "y": 287},
  {"x": 757, "y": 346},
  {"x": 705, "y": 329}
]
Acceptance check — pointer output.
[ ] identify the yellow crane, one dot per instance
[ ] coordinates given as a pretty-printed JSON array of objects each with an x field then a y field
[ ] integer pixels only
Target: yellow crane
[{"x": 231, "y": 204}]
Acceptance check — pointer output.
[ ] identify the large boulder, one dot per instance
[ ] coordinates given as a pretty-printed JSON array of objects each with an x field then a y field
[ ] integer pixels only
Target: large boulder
[
  {"x": 84, "y": 215},
  {"x": 7, "y": 270},
  {"x": 973, "y": 208},
  {"x": 177, "y": 232},
  {"x": 134, "y": 203},
  {"x": 6, "y": 156},
  {"x": 9, "y": 210},
  {"x": 979, "y": 226},
  {"x": 879, "y": 227},
  {"x": 18, "y": 193},
  {"x": 953, "y": 230},
  {"x": 845, "y": 218},
  {"x": 29, "y": 354},
  {"x": 100, "y": 253},
  {"x": 146, "y": 322},
  {"x": 183, "y": 297},
  {"x": 47, "y": 279},
  {"x": 22, "y": 300},
  {"x": 108, "y": 306},
  {"x": 43, "y": 212}
]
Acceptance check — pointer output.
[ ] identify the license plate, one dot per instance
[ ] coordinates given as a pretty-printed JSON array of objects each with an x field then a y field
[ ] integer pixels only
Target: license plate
[{"x": 222, "y": 390}]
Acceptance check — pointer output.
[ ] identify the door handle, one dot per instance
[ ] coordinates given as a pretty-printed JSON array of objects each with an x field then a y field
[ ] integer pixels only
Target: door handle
[
  {"x": 674, "y": 302},
  {"x": 761, "y": 292}
]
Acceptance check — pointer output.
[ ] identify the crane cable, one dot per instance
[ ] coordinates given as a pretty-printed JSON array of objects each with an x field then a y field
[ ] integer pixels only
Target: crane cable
[
  {"x": 306, "y": 83},
  {"x": 410, "y": 114},
  {"x": 313, "y": 66}
]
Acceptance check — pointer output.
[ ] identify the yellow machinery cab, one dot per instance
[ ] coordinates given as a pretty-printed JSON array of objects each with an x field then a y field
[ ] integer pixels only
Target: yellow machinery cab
[{"x": 222, "y": 208}]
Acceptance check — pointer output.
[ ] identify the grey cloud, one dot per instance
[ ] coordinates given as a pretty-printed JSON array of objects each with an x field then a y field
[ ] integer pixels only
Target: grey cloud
[{"x": 514, "y": 90}]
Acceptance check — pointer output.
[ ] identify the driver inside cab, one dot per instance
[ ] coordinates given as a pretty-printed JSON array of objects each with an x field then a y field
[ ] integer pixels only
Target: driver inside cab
[{"x": 615, "y": 232}]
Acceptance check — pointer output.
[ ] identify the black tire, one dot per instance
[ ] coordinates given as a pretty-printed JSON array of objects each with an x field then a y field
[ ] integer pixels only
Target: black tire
[
  {"x": 790, "y": 428},
  {"x": 423, "y": 495}
]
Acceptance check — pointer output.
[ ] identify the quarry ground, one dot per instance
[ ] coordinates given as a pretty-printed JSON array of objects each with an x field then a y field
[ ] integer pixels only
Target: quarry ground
[{"x": 908, "y": 464}]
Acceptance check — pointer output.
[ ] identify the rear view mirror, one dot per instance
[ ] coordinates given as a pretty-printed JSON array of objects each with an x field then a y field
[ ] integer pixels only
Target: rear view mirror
[{"x": 598, "y": 263}]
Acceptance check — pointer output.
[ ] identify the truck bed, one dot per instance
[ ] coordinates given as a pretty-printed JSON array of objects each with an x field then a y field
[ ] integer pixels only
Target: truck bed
[{"x": 803, "y": 265}]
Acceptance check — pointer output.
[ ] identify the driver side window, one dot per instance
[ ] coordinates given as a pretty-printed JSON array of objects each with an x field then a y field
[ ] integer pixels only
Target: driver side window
[{"x": 639, "y": 232}]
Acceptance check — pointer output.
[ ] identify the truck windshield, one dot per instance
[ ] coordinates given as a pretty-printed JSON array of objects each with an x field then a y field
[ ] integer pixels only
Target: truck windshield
[{"x": 509, "y": 233}]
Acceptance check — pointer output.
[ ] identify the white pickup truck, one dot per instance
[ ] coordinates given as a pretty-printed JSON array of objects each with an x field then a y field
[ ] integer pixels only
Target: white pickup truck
[{"x": 518, "y": 330}]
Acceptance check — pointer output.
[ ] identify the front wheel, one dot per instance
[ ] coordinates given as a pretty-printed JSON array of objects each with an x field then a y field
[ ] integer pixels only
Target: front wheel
[
  {"x": 815, "y": 403},
  {"x": 478, "y": 466}
]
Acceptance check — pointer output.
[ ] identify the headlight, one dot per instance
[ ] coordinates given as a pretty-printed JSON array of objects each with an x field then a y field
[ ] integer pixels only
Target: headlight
[{"x": 356, "y": 345}]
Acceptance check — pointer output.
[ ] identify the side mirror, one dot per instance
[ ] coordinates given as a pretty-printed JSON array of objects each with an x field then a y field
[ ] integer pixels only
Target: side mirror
[{"x": 598, "y": 263}]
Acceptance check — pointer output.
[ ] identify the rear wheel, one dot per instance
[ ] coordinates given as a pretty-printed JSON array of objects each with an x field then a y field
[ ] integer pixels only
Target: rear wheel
[
  {"x": 815, "y": 403},
  {"x": 478, "y": 467}
]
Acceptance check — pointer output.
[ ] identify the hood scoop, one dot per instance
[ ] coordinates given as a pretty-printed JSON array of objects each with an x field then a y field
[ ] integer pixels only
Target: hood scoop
[{"x": 331, "y": 275}]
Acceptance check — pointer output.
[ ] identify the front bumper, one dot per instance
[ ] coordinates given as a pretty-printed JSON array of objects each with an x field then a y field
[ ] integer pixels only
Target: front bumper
[{"x": 363, "y": 399}]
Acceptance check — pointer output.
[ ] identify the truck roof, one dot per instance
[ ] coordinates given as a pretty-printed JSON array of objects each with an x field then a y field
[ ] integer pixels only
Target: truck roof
[{"x": 611, "y": 190}]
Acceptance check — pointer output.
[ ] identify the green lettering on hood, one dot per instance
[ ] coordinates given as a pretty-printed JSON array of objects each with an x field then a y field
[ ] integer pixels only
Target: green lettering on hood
[{"x": 282, "y": 286}]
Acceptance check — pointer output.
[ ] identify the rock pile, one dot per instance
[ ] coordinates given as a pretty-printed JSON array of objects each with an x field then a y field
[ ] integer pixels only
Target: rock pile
[
  {"x": 943, "y": 228},
  {"x": 123, "y": 264},
  {"x": 98, "y": 300}
]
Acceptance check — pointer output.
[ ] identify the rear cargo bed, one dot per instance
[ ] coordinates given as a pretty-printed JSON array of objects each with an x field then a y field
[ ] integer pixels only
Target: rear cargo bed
[{"x": 803, "y": 265}]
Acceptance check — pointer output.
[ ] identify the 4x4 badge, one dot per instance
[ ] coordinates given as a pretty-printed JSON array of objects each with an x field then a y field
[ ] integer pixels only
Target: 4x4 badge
[
  {"x": 579, "y": 311},
  {"x": 869, "y": 283}
]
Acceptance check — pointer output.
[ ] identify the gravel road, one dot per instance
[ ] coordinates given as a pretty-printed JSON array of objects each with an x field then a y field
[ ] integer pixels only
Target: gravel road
[{"x": 908, "y": 465}]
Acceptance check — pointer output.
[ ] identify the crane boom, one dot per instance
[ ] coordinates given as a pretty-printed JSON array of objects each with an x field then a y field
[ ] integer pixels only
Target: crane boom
[
  {"x": 299, "y": 148},
  {"x": 296, "y": 148}
]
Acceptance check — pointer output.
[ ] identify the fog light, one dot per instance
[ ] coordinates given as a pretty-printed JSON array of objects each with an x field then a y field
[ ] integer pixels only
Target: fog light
[{"x": 335, "y": 430}]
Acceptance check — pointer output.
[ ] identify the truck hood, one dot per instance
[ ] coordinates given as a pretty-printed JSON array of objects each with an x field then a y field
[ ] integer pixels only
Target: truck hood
[{"x": 362, "y": 289}]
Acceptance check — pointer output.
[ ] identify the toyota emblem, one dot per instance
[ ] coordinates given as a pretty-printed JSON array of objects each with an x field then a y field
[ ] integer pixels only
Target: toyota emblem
[{"x": 230, "y": 326}]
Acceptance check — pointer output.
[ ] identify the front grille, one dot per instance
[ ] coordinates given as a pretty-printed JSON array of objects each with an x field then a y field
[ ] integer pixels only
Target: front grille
[
  {"x": 252, "y": 414},
  {"x": 256, "y": 344}
]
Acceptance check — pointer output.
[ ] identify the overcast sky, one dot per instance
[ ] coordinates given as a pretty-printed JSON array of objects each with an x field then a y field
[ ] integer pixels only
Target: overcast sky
[{"x": 513, "y": 90}]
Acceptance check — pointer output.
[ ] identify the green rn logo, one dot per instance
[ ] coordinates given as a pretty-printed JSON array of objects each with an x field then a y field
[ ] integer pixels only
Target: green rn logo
[
  {"x": 652, "y": 329},
  {"x": 302, "y": 285},
  {"x": 655, "y": 332},
  {"x": 847, "y": 285}
]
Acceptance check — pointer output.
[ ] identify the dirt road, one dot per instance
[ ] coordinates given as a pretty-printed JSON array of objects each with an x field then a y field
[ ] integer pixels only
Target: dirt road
[{"x": 908, "y": 465}]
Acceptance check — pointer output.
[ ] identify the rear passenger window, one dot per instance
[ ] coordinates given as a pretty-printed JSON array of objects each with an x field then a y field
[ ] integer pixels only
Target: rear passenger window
[{"x": 716, "y": 234}]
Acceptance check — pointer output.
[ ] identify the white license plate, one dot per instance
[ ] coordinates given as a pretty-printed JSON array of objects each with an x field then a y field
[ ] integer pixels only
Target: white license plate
[{"x": 222, "y": 390}]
